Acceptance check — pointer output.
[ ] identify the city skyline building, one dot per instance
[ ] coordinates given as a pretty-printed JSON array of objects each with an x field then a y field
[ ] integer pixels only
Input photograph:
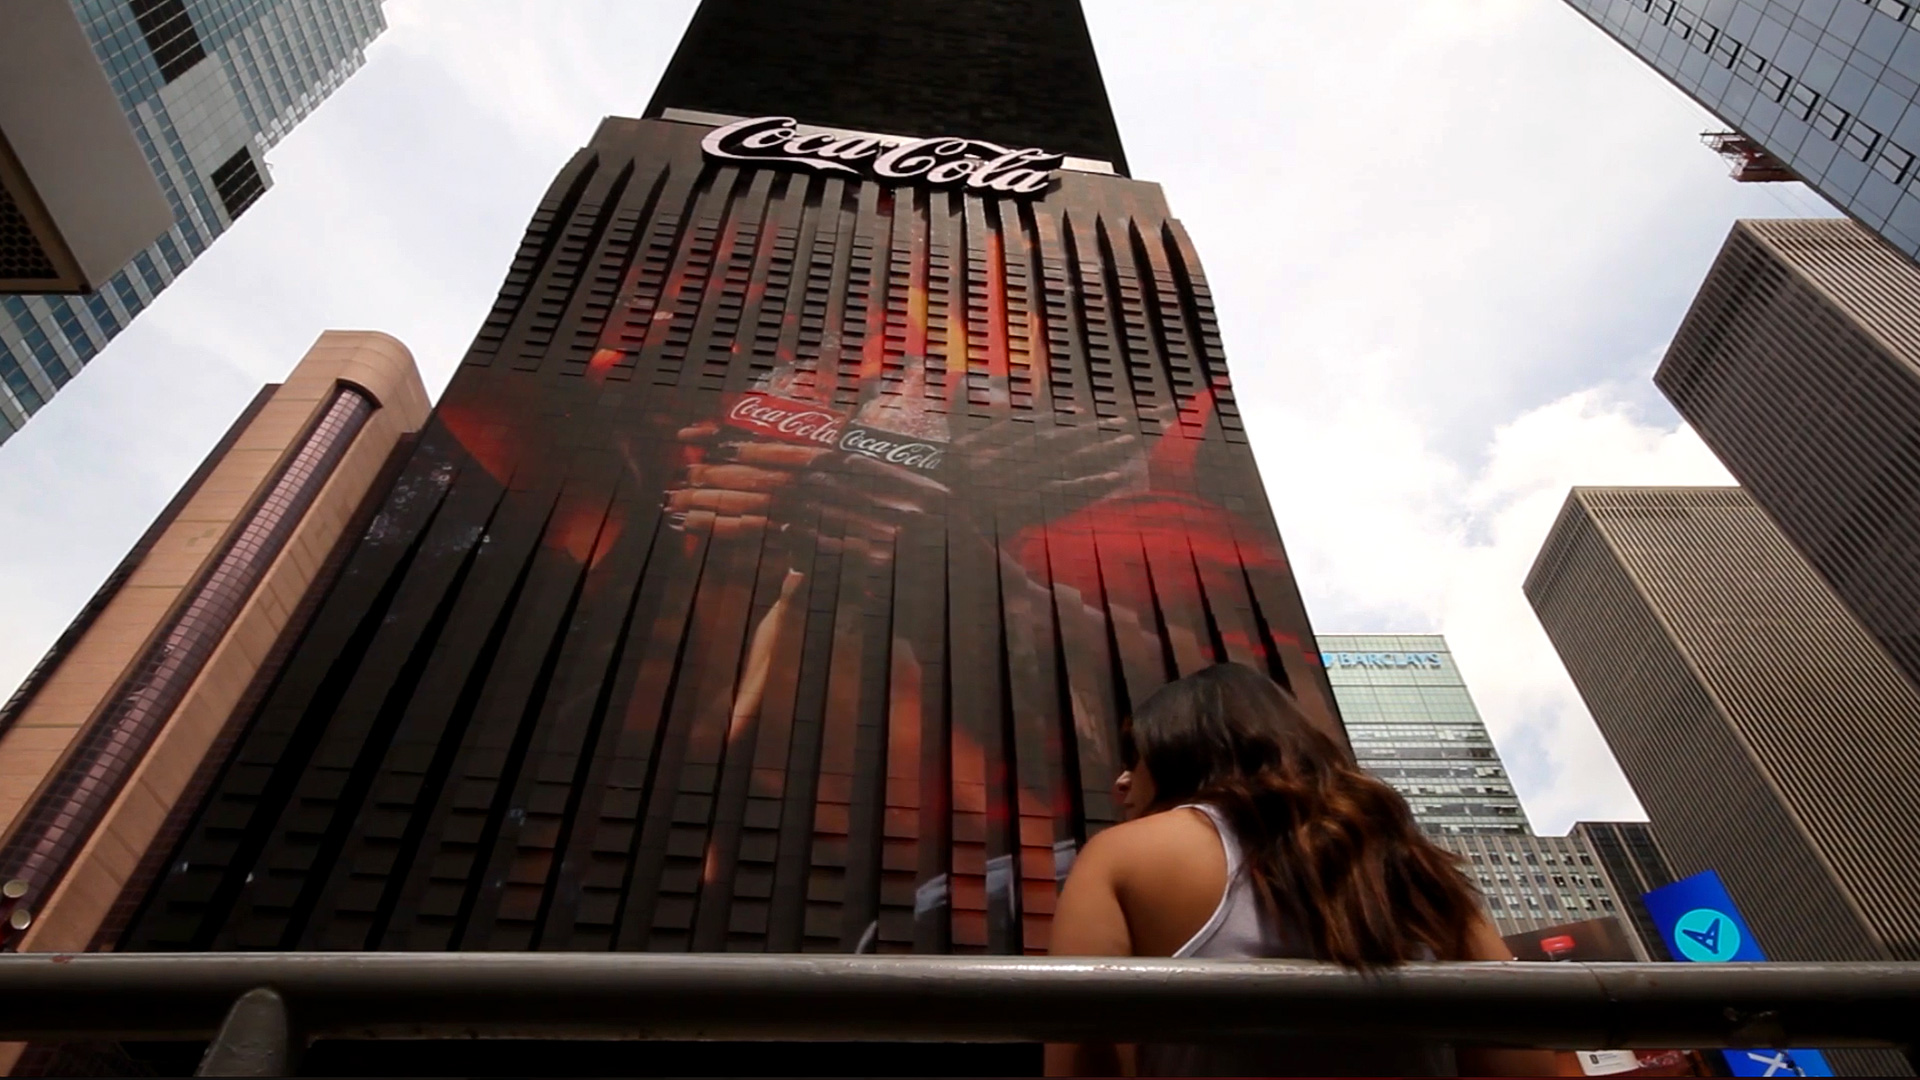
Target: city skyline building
[
  {"x": 1764, "y": 730},
  {"x": 76, "y": 197},
  {"x": 1821, "y": 90},
  {"x": 1537, "y": 882},
  {"x": 1633, "y": 865},
  {"x": 776, "y": 568},
  {"x": 208, "y": 87},
  {"x": 113, "y": 736},
  {"x": 1412, "y": 722},
  {"x": 1799, "y": 365}
]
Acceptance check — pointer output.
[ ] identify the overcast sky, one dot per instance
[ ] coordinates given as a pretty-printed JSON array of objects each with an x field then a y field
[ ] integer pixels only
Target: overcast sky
[{"x": 1449, "y": 239}]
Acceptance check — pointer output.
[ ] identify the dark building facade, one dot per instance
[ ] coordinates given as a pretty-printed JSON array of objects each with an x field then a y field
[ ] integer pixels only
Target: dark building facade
[
  {"x": 1008, "y": 71},
  {"x": 1766, "y": 733},
  {"x": 1630, "y": 859},
  {"x": 1825, "y": 88},
  {"x": 775, "y": 570},
  {"x": 1799, "y": 364}
]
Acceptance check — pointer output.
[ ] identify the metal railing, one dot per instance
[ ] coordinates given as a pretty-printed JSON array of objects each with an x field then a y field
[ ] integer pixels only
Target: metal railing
[{"x": 259, "y": 1009}]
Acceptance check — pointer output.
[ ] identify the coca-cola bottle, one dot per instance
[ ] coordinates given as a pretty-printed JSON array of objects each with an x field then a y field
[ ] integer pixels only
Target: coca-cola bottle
[{"x": 898, "y": 426}]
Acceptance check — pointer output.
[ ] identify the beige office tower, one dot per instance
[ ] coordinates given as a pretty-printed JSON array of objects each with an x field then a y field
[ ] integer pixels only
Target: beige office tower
[
  {"x": 129, "y": 712},
  {"x": 1766, "y": 733},
  {"x": 1799, "y": 364}
]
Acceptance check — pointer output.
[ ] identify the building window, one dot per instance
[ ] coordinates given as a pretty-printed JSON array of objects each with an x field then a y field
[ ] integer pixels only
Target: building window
[
  {"x": 1727, "y": 51},
  {"x": 1751, "y": 66},
  {"x": 239, "y": 183},
  {"x": 1830, "y": 119},
  {"x": 1776, "y": 84},
  {"x": 170, "y": 34},
  {"x": 1894, "y": 164},
  {"x": 1860, "y": 141},
  {"x": 1801, "y": 101},
  {"x": 1892, "y": 9}
]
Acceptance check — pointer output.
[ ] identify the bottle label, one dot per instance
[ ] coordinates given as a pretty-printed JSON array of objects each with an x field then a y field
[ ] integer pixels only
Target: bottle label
[
  {"x": 892, "y": 448},
  {"x": 780, "y": 418}
]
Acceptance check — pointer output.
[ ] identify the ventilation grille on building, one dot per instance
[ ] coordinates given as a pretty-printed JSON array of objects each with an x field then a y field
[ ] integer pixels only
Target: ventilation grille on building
[
  {"x": 239, "y": 183},
  {"x": 21, "y": 256},
  {"x": 170, "y": 34}
]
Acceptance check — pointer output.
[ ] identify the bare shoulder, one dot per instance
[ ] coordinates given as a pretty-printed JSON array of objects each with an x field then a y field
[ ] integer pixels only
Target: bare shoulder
[
  {"x": 1169, "y": 840},
  {"x": 1182, "y": 825},
  {"x": 1167, "y": 871}
]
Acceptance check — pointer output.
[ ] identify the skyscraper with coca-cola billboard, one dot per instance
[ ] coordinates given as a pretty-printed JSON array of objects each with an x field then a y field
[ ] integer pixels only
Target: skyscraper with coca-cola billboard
[{"x": 850, "y": 445}]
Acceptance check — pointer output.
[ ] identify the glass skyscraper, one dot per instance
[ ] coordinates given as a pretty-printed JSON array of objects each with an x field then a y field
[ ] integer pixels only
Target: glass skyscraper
[
  {"x": 209, "y": 86},
  {"x": 1827, "y": 87},
  {"x": 1413, "y": 724}
]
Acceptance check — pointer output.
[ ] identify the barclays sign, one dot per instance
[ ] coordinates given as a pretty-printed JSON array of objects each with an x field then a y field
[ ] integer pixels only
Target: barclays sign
[{"x": 1385, "y": 662}]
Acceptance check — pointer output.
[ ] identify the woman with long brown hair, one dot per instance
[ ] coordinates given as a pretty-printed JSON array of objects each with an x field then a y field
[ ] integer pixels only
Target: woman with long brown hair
[{"x": 1252, "y": 833}]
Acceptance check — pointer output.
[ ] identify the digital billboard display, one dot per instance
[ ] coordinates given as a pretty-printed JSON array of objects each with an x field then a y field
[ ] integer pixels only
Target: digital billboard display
[{"x": 773, "y": 575}]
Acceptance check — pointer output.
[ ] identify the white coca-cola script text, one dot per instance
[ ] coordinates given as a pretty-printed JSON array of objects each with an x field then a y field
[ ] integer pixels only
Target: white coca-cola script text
[
  {"x": 939, "y": 162},
  {"x": 807, "y": 425},
  {"x": 893, "y": 449}
]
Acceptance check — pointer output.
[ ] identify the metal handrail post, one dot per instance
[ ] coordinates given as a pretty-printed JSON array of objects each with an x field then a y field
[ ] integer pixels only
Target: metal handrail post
[{"x": 256, "y": 1039}]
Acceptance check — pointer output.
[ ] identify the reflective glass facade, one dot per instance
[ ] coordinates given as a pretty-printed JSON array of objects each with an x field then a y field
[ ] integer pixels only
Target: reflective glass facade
[
  {"x": 1413, "y": 724},
  {"x": 1827, "y": 86},
  {"x": 209, "y": 86}
]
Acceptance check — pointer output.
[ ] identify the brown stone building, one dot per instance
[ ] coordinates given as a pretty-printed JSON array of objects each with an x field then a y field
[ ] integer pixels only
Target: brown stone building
[{"x": 129, "y": 710}]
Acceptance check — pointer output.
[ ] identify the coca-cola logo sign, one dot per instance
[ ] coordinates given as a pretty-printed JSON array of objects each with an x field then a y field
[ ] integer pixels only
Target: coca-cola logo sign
[
  {"x": 945, "y": 161},
  {"x": 791, "y": 421},
  {"x": 893, "y": 449}
]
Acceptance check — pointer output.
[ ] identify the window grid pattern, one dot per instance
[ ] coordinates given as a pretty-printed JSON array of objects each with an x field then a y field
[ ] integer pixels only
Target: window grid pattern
[
  {"x": 1755, "y": 718},
  {"x": 1633, "y": 864},
  {"x": 1759, "y": 693},
  {"x": 208, "y": 86},
  {"x": 1534, "y": 882},
  {"x": 1829, "y": 87},
  {"x": 62, "y": 817},
  {"x": 1415, "y": 726},
  {"x": 1800, "y": 366}
]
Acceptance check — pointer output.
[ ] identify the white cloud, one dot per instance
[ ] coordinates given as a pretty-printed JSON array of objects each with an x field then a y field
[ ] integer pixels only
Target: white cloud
[
  {"x": 1387, "y": 534},
  {"x": 1448, "y": 238},
  {"x": 1449, "y": 241}
]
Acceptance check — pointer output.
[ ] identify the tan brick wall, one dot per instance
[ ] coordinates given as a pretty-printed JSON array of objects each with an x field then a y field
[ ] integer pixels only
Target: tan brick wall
[{"x": 47, "y": 730}]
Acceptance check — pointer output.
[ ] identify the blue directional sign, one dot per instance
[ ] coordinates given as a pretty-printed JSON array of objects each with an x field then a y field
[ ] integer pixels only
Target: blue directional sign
[{"x": 1702, "y": 925}]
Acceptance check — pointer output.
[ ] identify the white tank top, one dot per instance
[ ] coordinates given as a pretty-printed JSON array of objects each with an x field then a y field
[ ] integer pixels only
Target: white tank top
[{"x": 1241, "y": 930}]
